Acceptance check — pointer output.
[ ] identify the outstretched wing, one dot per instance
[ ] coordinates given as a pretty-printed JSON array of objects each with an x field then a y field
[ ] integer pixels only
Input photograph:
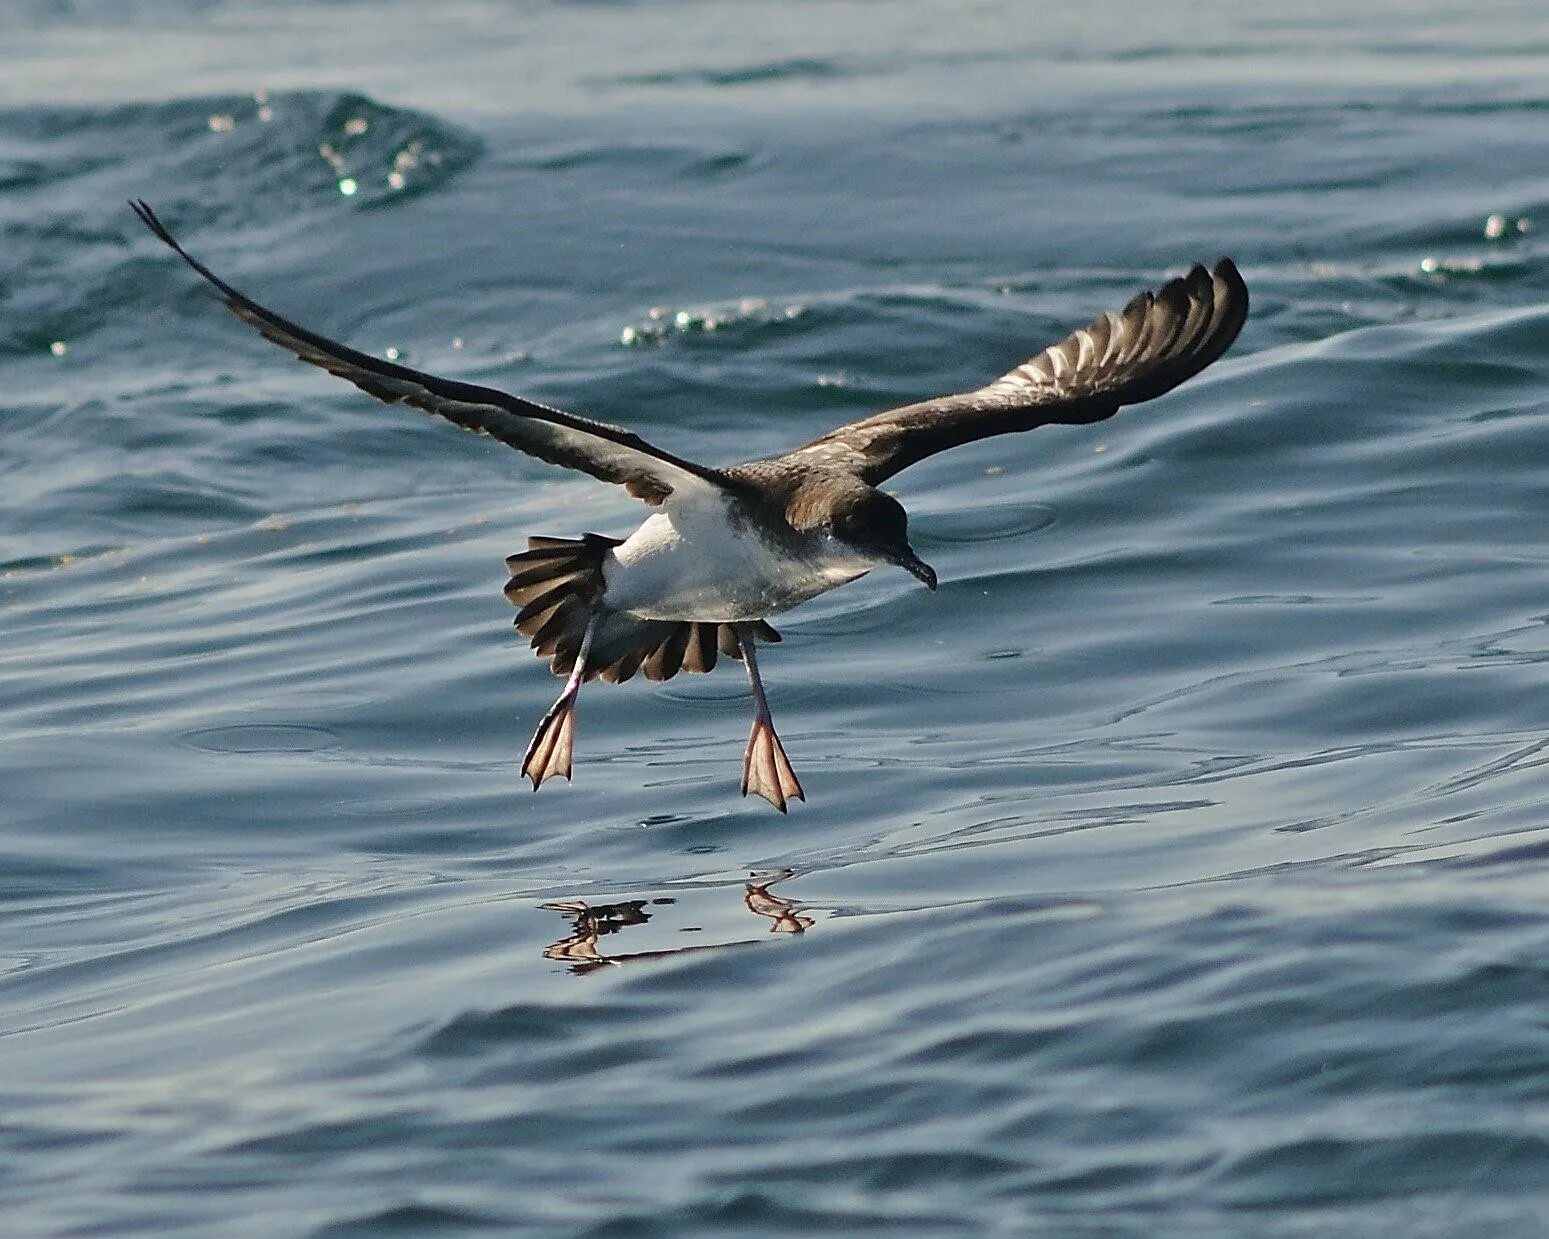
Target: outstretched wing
[
  {"x": 610, "y": 453},
  {"x": 1154, "y": 343}
]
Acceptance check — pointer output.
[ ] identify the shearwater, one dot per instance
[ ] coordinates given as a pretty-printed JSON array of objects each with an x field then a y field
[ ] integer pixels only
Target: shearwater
[{"x": 728, "y": 547}]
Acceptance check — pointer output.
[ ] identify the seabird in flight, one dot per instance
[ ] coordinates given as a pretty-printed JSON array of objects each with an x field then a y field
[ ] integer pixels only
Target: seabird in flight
[{"x": 725, "y": 548}]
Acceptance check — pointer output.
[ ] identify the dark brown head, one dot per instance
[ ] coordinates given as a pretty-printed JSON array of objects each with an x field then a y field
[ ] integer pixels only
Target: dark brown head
[{"x": 874, "y": 525}]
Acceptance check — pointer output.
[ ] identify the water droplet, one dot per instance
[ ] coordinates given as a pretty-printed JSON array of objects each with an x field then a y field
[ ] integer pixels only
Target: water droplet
[
  {"x": 395, "y": 180},
  {"x": 392, "y": 354},
  {"x": 347, "y": 186},
  {"x": 58, "y": 348},
  {"x": 222, "y": 124},
  {"x": 628, "y": 336},
  {"x": 356, "y": 125}
]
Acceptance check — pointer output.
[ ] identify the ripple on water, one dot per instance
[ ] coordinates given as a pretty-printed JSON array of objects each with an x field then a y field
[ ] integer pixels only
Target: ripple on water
[
  {"x": 793, "y": 69},
  {"x": 990, "y": 522},
  {"x": 261, "y": 738}
]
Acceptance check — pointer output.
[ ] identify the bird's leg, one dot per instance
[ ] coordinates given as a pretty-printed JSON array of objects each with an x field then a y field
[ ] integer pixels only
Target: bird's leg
[
  {"x": 765, "y": 770},
  {"x": 554, "y": 741}
]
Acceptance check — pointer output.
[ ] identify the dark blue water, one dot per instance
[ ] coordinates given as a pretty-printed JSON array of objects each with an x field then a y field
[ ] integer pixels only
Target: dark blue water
[{"x": 1180, "y": 868}]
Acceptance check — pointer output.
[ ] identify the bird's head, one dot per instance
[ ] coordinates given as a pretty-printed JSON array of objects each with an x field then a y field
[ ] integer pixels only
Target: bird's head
[{"x": 875, "y": 524}]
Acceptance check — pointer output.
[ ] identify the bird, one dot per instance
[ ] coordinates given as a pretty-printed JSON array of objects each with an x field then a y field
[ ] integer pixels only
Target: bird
[{"x": 725, "y": 548}]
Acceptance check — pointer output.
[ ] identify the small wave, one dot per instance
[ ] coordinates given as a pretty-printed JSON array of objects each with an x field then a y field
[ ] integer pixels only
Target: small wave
[
  {"x": 260, "y": 159},
  {"x": 474, "y": 1032},
  {"x": 207, "y": 156},
  {"x": 725, "y": 319},
  {"x": 1439, "y": 268},
  {"x": 25, "y": 564},
  {"x": 410, "y": 1219}
]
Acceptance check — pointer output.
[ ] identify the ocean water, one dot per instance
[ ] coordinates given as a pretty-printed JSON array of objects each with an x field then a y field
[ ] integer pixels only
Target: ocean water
[{"x": 1180, "y": 868}]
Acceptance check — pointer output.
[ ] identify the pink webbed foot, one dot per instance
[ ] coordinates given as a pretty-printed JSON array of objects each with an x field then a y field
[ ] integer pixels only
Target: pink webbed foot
[
  {"x": 553, "y": 744},
  {"x": 766, "y": 771}
]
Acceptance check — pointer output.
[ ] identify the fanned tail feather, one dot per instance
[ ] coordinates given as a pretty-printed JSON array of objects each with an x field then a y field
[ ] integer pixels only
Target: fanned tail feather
[{"x": 556, "y": 583}]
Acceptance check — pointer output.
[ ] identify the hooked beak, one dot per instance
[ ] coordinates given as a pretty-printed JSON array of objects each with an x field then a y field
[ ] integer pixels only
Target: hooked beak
[{"x": 916, "y": 567}]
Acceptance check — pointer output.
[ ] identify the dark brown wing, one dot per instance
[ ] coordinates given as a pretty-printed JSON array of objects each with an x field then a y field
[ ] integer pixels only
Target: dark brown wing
[
  {"x": 1149, "y": 347},
  {"x": 610, "y": 453}
]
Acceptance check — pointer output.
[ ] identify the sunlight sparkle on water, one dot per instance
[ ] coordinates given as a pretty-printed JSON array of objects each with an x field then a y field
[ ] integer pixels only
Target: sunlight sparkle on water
[{"x": 1498, "y": 226}]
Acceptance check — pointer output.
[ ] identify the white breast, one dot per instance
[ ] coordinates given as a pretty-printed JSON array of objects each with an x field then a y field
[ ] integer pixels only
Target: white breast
[{"x": 699, "y": 564}]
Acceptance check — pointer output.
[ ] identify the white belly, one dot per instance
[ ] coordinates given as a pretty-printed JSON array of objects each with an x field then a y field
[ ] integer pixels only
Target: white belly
[{"x": 697, "y": 565}]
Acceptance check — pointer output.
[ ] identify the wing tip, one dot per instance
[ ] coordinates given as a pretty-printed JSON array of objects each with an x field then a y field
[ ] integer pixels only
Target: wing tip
[
  {"x": 1225, "y": 272},
  {"x": 146, "y": 214},
  {"x": 1232, "y": 301}
]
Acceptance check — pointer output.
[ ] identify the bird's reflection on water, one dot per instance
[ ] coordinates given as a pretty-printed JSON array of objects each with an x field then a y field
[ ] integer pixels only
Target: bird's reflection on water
[{"x": 589, "y": 923}]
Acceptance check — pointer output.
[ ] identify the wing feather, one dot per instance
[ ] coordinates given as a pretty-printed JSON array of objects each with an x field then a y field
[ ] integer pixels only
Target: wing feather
[
  {"x": 1157, "y": 341},
  {"x": 609, "y": 453}
]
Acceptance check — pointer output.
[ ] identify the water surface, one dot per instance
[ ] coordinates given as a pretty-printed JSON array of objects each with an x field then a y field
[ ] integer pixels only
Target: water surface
[{"x": 1179, "y": 868}]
